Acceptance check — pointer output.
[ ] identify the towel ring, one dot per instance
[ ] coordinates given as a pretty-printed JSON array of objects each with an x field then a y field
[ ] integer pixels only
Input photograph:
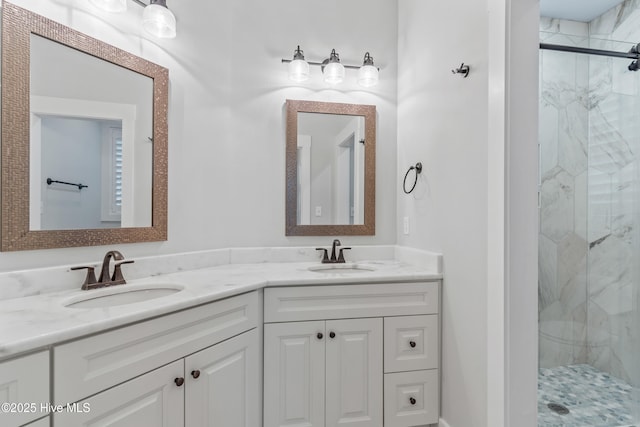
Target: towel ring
[{"x": 418, "y": 168}]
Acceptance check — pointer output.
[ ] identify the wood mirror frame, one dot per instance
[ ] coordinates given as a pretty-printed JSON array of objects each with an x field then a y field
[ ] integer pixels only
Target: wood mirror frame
[
  {"x": 17, "y": 26},
  {"x": 368, "y": 228}
]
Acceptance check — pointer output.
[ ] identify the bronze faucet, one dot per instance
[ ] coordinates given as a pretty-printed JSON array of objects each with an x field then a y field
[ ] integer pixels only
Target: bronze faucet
[
  {"x": 105, "y": 279},
  {"x": 334, "y": 259}
]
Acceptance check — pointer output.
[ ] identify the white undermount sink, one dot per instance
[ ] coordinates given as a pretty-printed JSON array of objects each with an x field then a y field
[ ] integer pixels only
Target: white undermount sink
[
  {"x": 340, "y": 268},
  {"x": 121, "y": 295}
]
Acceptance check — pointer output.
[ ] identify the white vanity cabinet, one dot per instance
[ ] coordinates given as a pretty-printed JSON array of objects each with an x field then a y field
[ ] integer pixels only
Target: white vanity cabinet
[
  {"x": 324, "y": 348},
  {"x": 195, "y": 368},
  {"x": 323, "y": 373},
  {"x": 24, "y": 389}
]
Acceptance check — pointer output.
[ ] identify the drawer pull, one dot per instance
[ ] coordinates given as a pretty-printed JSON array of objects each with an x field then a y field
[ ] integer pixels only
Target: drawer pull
[
  {"x": 319, "y": 335},
  {"x": 195, "y": 374},
  {"x": 412, "y": 344},
  {"x": 179, "y": 381},
  {"x": 332, "y": 334},
  {"x": 412, "y": 400}
]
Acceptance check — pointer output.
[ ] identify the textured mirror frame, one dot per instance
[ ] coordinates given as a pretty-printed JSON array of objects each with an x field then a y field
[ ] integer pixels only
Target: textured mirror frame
[
  {"x": 17, "y": 26},
  {"x": 293, "y": 107}
]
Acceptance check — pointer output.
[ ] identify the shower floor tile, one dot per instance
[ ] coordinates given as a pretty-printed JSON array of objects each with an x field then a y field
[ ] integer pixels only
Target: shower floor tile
[{"x": 594, "y": 398}]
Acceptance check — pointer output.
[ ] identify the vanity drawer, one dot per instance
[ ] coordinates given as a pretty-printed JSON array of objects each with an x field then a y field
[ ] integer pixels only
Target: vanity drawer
[
  {"x": 411, "y": 398},
  {"x": 89, "y": 365},
  {"x": 24, "y": 381},
  {"x": 291, "y": 304},
  {"x": 411, "y": 343}
]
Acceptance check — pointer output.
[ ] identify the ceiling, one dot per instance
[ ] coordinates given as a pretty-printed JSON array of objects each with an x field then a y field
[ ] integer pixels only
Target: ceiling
[{"x": 576, "y": 10}]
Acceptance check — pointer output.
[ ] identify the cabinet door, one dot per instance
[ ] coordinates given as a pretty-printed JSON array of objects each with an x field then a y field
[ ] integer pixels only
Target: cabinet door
[
  {"x": 354, "y": 372},
  {"x": 151, "y": 400},
  {"x": 294, "y": 374},
  {"x": 223, "y": 384}
]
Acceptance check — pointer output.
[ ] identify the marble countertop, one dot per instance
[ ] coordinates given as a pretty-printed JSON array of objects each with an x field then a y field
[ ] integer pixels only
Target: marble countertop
[{"x": 38, "y": 321}]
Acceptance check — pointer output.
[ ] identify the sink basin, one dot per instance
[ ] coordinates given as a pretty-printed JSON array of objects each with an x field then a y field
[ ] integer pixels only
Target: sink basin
[
  {"x": 121, "y": 295},
  {"x": 340, "y": 269}
]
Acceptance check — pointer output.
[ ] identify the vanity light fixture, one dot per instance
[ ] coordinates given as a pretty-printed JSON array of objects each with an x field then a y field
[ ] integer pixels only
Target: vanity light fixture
[
  {"x": 115, "y": 6},
  {"x": 157, "y": 19},
  {"x": 332, "y": 69},
  {"x": 298, "y": 67},
  {"x": 368, "y": 73}
]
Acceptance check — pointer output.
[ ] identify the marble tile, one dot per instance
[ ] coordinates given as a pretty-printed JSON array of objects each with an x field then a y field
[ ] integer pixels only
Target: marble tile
[
  {"x": 627, "y": 22},
  {"x": 572, "y": 272},
  {"x": 593, "y": 398},
  {"x": 572, "y": 138},
  {"x": 557, "y": 200},
  {"x": 580, "y": 328},
  {"x": 600, "y": 80},
  {"x": 599, "y": 204},
  {"x": 605, "y": 24},
  {"x": 558, "y": 78},
  {"x": 564, "y": 26},
  {"x": 547, "y": 272},
  {"x": 548, "y": 137},
  {"x": 598, "y": 336},
  {"x": 552, "y": 353},
  {"x": 580, "y": 206},
  {"x": 610, "y": 264},
  {"x": 609, "y": 151}
]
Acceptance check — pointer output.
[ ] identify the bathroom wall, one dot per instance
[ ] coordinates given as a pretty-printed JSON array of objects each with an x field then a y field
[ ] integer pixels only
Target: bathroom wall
[
  {"x": 226, "y": 117},
  {"x": 475, "y": 199},
  {"x": 564, "y": 134},
  {"x": 442, "y": 123}
]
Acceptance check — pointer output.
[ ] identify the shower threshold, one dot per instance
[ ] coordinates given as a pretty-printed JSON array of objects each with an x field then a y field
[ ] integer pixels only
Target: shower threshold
[{"x": 593, "y": 398}]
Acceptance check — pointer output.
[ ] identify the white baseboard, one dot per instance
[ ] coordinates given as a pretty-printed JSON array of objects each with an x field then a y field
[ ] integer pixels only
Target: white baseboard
[{"x": 443, "y": 423}]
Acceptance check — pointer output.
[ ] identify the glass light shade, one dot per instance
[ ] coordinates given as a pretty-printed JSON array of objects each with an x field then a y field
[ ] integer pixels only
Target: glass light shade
[
  {"x": 334, "y": 73},
  {"x": 110, "y": 5},
  {"x": 299, "y": 70},
  {"x": 368, "y": 76},
  {"x": 159, "y": 21}
]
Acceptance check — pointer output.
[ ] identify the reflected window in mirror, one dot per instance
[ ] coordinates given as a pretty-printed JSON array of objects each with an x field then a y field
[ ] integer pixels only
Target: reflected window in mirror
[
  {"x": 84, "y": 131},
  {"x": 330, "y": 168}
]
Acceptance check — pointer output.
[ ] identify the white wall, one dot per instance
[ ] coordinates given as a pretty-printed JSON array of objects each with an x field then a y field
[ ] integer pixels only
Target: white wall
[
  {"x": 442, "y": 123},
  {"x": 226, "y": 126},
  {"x": 476, "y": 199}
]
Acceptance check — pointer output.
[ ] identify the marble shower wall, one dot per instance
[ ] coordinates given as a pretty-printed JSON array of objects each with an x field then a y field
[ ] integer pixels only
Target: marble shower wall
[
  {"x": 614, "y": 126},
  {"x": 564, "y": 127},
  {"x": 589, "y": 134}
]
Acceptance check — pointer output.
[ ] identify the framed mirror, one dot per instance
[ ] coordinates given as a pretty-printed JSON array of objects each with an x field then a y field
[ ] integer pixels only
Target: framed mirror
[
  {"x": 84, "y": 139},
  {"x": 330, "y": 168}
]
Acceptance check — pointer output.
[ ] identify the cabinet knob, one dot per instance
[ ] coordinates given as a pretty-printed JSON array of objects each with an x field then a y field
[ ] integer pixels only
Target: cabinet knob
[
  {"x": 195, "y": 374},
  {"x": 332, "y": 334},
  {"x": 412, "y": 400},
  {"x": 179, "y": 381},
  {"x": 320, "y": 335},
  {"x": 412, "y": 344}
]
